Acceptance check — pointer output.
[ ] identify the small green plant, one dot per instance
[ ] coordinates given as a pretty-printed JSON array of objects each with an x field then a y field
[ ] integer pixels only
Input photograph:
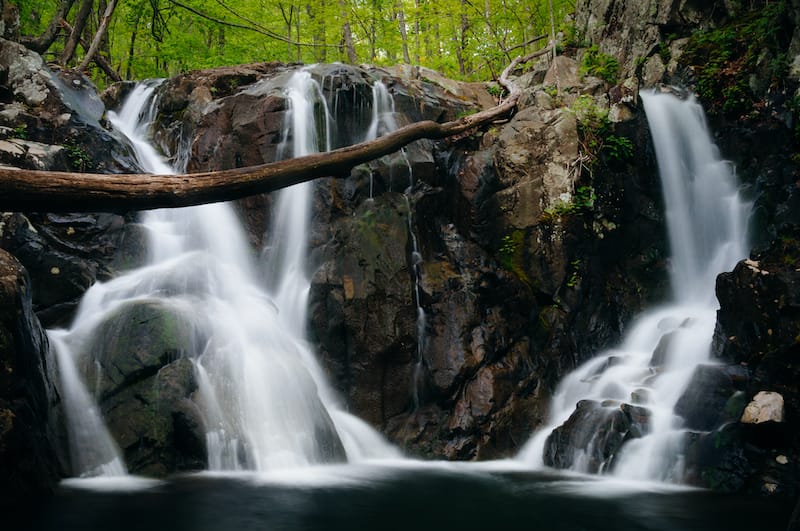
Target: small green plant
[
  {"x": 78, "y": 158},
  {"x": 21, "y": 131},
  {"x": 599, "y": 64},
  {"x": 595, "y": 131},
  {"x": 582, "y": 200},
  {"x": 494, "y": 89},
  {"x": 511, "y": 254},
  {"x": 574, "y": 276},
  {"x": 618, "y": 147}
]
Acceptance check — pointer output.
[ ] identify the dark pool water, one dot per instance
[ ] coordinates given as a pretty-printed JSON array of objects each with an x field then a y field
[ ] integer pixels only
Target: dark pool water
[{"x": 409, "y": 498}]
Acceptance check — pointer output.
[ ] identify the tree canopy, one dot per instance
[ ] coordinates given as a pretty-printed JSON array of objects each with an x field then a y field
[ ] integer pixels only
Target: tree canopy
[{"x": 466, "y": 39}]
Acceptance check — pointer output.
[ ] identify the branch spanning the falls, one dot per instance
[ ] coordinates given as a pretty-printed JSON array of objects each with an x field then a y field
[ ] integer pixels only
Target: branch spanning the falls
[{"x": 49, "y": 191}]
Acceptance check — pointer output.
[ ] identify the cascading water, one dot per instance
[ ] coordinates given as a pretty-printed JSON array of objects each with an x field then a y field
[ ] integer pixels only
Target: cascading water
[
  {"x": 383, "y": 121},
  {"x": 648, "y": 373},
  {"x": 264, "y": 399}
]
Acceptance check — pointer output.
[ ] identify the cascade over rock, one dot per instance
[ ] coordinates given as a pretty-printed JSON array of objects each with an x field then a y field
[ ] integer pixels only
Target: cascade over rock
[
  {"x": 521, "y": 276},
  {"x": 514, "y": 264}
]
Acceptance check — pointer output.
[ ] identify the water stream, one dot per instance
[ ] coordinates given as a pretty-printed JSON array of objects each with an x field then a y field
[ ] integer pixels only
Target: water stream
[
  {"x": 650, "y": 370},
  {"x": 264, "y": 398},
  {"x": 383, "y": 121}
]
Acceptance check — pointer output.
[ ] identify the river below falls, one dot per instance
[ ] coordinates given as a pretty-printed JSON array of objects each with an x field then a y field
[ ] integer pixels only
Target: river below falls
[{"x": 399, "y": 495}]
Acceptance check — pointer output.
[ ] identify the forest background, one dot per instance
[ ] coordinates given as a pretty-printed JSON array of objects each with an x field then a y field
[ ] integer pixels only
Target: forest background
[{"x": 138, "y": 39}]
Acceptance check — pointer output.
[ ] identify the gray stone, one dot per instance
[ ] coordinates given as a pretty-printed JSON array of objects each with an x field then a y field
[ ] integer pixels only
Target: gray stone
[{"x": 766, "y": 406}]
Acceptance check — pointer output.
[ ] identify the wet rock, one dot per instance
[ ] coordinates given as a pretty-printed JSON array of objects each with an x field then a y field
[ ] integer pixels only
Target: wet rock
[
  {"x": 711, "y": 398},
  {"x": 144, "y": 384},
  {"x": 589, "y": 439},
  {"x": 66, "y": 254},
  {"x": 717, "y": 460},
  {"x": 757, "y": 327},
  {"x": 29, "y": 432}
]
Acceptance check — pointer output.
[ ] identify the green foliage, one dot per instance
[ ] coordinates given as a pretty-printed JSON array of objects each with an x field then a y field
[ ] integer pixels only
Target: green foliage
[
  {"x": 618, "y": 148},
  {"x": 159, "y": 38},
  {"x": 599, "y": 64},
  {"x": 575, "y": 275},
  {"x": 582, "y": 201},
  {"x": 572, "y": 38},
  {"x": 21, "y": 131},
  {"x": 494, "y": 89},
  {"x": 726, "y": 58},
  {"x": 595, "y": 130},
  {"x": 78, "y": 158},
  {"x": 511, "y": 254}
]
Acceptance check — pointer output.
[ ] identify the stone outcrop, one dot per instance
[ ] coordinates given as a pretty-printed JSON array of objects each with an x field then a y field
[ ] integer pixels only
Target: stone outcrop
[
  {"x": 29, "y": 437},
  {"x": 55, "y": 120}
]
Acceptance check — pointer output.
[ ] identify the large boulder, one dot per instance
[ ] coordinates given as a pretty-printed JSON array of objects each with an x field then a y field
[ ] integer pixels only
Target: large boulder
[
  {"x": 144, "y": 383},
  {"x": 29, "y": 432}
]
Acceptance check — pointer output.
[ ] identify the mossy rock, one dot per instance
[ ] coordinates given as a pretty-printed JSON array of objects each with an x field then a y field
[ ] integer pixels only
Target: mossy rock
[{"x": 134, "y": 344}]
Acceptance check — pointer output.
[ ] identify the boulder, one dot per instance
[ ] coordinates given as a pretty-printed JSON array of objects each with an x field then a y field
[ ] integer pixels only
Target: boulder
[
  {"x": 766, "y": 406},
  {"x": 144, "y": 383},
  {"x": 711, "y": 398},
  {"x": 590, "y": 438}
]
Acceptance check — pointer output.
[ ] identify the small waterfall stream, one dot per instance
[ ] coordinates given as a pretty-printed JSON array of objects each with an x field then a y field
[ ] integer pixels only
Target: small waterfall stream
[
  {"x": 647, "y": 374},
  {"x": 265, "y": 401},
  {"x": 383, "y": 121}
]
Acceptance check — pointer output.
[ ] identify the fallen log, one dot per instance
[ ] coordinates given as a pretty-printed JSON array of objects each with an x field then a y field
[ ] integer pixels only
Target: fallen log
[{"x": 50, "y": 191}]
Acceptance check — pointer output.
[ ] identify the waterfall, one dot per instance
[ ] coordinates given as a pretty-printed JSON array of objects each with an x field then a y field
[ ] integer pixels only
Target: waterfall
[
  {"x": 644, "y": 377},
  {"x": 383, "y": 121},
  {"x": 264, "y": 399}
]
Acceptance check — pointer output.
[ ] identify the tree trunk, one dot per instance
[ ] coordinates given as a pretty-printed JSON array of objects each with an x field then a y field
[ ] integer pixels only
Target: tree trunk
[
  {"x": 99, "y": 60},
  {"x": 46, "y": 191},
  {"x": 401, "y": 20},
  {"x": 77, "y": 30},
  {"x": 98, "y": 37},
  {"x": 347, "y": 34},
  {"x": 46, "y": 39}
]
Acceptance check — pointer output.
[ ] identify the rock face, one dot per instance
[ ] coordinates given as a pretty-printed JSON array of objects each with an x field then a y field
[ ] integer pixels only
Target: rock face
[
  {"x": 29, "y": 460},
  {"x": 679, "y": 42}
]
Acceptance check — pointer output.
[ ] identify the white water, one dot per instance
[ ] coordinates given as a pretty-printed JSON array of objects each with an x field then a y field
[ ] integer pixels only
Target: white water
[
  {"x": 706, "y": 222},
  {"x": 264, "y": 397}
]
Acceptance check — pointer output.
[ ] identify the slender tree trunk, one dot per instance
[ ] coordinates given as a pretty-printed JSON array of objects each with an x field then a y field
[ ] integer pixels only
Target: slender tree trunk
[
  {"x": 45, "y": 40},
  {"x": 416, "y": 31},
  {"x": 401, "y": 21},
  {"x": 98, "y": 37},
  {"x": 132, "y": 46},
  {"x": 287, "y": 19},
  {"x": 77, "y": 30},
  {"x": 462, "y": 56},
  {"x": 347, "y": 34},
  {"x": 99, "y": 60}
]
